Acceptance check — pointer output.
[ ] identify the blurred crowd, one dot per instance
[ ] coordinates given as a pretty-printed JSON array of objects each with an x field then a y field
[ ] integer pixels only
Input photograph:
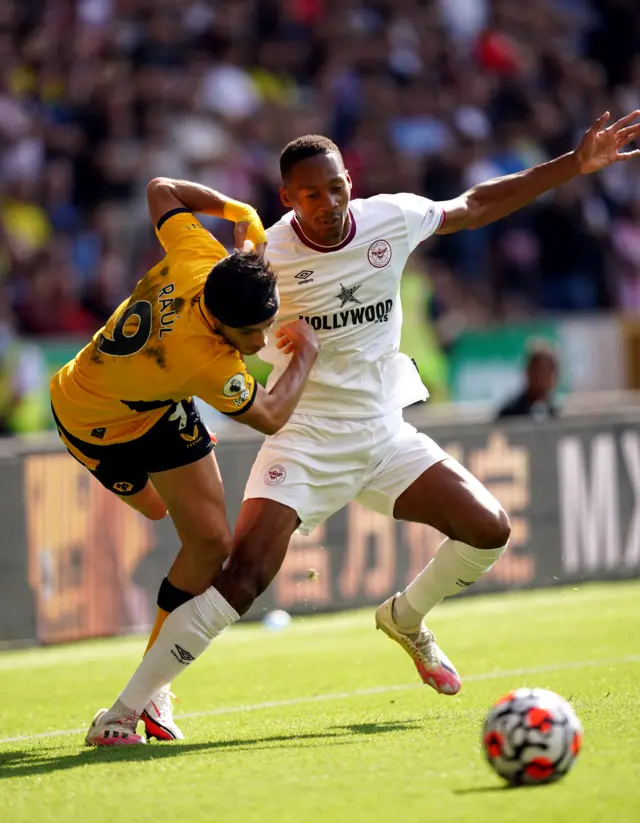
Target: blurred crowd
[{"x": 431, "y": 96}]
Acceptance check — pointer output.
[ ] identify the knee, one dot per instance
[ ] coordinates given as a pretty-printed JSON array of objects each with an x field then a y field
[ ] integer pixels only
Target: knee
[
  {"x": 491, "y": 530},
  {"x": 211, "y": 549}
]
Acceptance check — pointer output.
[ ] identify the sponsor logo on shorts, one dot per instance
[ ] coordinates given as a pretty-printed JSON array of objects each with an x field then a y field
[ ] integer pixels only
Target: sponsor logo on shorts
[
  {"x": 379, "y": 254},
  {"x": 235, "y": 385},
  {"x": 122, "y": 486},
  {"x": 179, "y": 415},
  {"x": 275, "y": 475},
  {"x": 193, "y": 438}
]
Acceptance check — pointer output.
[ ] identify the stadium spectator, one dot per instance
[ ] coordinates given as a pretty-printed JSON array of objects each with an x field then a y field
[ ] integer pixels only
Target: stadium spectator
[
  {"x": 536, "y": 400},
  {"x": 432, "y": 96}
]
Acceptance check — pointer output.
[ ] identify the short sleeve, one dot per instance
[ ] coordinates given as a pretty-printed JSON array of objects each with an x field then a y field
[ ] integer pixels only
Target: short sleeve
[
  {"x": 180, "y": 230},
  {"x": 422, "y": 216},
  {"x": 225, "y": 384}
]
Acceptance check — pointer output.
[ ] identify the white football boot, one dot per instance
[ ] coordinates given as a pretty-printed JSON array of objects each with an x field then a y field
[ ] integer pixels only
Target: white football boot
[
  {"x": 158, "y": 717},
  {"x": 107, "y": 730},
  {"x": 434, "y": 667}
]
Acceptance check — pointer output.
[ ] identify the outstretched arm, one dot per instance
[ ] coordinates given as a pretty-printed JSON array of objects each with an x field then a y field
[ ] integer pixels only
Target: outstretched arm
[
  {"x": 164, "y": 195},
  {"x": 490, "y": 201}
]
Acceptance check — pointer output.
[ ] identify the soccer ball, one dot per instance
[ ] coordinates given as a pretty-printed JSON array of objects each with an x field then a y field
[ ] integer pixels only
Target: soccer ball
[{"x": 531, "y": 736}]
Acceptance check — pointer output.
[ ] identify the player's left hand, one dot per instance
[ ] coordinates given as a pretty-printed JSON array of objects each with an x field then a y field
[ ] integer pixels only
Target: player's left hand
[
  {"x": 601, "y": 147},
  {"x": 297, "y": 337}
]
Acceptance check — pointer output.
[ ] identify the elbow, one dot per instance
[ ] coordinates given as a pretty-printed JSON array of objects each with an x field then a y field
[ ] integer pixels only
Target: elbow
[
  {"x": 275, "y": 422},
  {"x": 158, "y": 183},
  {"x": 272, "y": 426}
]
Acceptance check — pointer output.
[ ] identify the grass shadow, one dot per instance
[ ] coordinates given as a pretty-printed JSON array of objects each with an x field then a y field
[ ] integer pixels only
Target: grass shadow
[
  {"x": 501, "y": 787},
  {"x": 485, "y": 789},
  {"x": 37, "y": 760}
]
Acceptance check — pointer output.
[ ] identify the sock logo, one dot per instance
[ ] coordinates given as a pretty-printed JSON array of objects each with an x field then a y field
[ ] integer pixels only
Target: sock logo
[
  {"x": 182, "y": 655},
  {"x": 463, "y": 583}
]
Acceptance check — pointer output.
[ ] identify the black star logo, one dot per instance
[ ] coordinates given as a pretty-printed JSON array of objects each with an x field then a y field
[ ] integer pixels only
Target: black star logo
[{"x": 346, "y": 295}]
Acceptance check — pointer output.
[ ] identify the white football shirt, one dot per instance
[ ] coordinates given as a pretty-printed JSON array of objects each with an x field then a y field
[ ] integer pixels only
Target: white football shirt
[{"x": 350, "y": 294}]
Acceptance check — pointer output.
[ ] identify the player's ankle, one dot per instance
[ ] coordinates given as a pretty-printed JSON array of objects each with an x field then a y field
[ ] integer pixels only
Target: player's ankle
[{"x": 406, "y": 618}]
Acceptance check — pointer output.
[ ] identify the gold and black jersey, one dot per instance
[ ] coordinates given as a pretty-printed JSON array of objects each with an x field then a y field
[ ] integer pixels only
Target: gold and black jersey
[{"x": 158, "y": 347}]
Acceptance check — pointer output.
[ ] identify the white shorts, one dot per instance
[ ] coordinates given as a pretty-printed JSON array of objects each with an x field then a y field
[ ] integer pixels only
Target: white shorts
[{"x": 316, "y": 465}]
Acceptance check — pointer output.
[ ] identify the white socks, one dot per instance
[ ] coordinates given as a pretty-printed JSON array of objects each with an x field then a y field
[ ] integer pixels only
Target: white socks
[
  {"x": 454, "y": 567},
  {"x": 184, "y": 636}
]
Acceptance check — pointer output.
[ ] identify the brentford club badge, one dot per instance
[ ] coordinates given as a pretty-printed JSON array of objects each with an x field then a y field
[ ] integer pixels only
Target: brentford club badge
[
  {"x": 275, "y": 475},
  {"x": 379, "y": 254}
]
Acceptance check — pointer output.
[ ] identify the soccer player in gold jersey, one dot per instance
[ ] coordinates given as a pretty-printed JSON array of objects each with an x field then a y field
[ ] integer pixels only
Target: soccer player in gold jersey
[{"x": 124, "y": 405}]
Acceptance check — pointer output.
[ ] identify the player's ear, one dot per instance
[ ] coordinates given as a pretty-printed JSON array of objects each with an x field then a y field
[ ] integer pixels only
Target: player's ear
[
  {"x": 348, "y": 176},
  {"x": 284, "y": 197}
]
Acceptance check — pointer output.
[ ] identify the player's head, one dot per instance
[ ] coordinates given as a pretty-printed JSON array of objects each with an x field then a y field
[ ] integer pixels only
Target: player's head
[
  {"x": 316, "y": 185},
  {"x": 241, "y": 295},
  {"x": 542, "y": 370}
]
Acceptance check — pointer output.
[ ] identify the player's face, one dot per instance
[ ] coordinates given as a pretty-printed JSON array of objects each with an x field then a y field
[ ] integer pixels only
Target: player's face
[
  {"x": 248, "y": 340},
  {"x": 318, "y": 190}
]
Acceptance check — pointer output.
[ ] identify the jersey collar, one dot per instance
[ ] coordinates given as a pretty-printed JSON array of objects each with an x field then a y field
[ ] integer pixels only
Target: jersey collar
[
  {"x": 204, "y": 313},
  {"x": 316, "y": 246}
]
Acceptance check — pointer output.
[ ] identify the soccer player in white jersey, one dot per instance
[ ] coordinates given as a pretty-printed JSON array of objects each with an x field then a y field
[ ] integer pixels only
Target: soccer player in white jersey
[{"x": 339, "y": 264}]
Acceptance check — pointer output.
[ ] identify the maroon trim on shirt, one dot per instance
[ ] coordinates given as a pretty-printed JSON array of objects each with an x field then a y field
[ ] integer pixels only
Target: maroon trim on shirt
[{"x": 324, "y": 249}]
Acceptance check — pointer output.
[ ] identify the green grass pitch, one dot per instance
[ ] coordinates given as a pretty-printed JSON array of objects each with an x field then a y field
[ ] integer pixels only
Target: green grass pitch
[{"x": 326, "y": 721}]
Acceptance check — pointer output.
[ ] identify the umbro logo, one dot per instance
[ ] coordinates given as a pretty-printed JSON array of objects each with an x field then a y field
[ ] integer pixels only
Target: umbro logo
[
  {"x": 182, "y": 655},
  {"x": 304, "y": 276}
]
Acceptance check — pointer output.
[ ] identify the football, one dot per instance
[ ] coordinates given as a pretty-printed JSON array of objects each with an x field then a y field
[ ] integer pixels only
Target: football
[{"x": 531, "y": 737}]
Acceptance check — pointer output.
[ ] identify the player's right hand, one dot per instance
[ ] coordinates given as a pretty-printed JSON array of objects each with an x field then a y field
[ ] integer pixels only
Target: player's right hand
[
  {"x": 248, "y": 226},
  {"x": 298, "y": 337},
  {"x": 246, "y": 232}
]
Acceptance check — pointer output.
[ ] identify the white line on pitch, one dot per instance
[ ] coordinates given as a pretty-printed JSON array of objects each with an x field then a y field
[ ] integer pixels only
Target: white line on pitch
[{"x": 297, "y": 701}]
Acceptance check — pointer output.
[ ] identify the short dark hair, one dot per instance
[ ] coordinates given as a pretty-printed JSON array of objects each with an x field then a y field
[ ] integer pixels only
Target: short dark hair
[
  {"x": 304, "y": 147},
  {"x": 240, "y": 290}
]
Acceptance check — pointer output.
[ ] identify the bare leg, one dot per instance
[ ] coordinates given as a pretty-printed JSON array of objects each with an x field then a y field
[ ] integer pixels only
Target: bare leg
[
  {"x": 148, "y": 502},
  {"x": 260, "y": 543},
  {"x": 452, "y": 500}
]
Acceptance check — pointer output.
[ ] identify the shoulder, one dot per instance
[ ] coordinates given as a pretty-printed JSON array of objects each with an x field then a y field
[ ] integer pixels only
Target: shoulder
[
  {"x": 378, "y": 204},
  {"x": 402, "y": 206},
  {"x": 203, "y": 349},
  {"x": 514, "y": 406},
  {"x": 281, "y": 231},
  {"x": 285, "y": 250},
  {"x": 373, "y": 215}
]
